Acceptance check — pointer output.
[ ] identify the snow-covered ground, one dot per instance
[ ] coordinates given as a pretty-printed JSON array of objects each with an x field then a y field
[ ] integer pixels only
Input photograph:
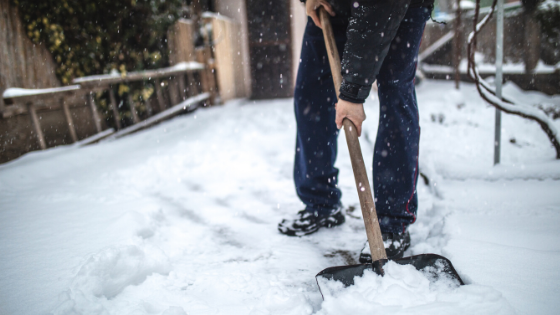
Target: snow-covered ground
[{"x": 181, "y": 219}]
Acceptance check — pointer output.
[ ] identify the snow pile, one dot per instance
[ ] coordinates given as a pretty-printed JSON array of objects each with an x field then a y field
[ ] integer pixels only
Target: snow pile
[
  {"x": 107, "y": 273},
  {"x": 278, "y": 301},
  {"x": 405, "y": 290}
]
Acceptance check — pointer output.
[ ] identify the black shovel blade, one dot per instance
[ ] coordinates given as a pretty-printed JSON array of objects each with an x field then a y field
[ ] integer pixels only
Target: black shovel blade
[{"x": 434, "y": 264}]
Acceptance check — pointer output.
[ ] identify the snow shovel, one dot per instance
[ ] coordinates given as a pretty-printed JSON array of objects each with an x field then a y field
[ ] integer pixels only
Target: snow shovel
[{"x": 436, "y": 265}]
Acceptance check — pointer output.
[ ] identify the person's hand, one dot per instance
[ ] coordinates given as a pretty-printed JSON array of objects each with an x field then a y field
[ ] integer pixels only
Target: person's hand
[
  {"x": 311, "y": 8},
  {"x": 352, "y": 111}
]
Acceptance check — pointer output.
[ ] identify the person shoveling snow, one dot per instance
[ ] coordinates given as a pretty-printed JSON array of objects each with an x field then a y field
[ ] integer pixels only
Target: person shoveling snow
[
  {"x": 366, "y": 57},
  {"x": 395, "y": 167}
]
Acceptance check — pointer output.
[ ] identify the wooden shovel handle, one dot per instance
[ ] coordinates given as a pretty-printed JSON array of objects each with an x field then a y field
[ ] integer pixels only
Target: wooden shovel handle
[{"x": 360, "y": 174}]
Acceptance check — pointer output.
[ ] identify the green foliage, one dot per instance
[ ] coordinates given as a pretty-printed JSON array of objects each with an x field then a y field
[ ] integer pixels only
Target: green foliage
[
  {"x": 548, "y": 15},
  {"x": 95, "y": 36},
  {"x": 87, "y": 37}
]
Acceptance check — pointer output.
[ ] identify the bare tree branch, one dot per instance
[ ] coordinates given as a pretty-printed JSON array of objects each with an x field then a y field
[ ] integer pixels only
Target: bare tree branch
[{"x": 504, "y": 104}]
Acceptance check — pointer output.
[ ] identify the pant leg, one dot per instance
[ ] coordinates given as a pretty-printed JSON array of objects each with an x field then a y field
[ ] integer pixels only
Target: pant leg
[
  {"x": 395, "y": 162},
  {"x": 315, "y": 176}
]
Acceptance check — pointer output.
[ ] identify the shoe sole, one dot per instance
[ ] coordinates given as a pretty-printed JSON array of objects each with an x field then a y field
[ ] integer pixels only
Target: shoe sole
[{"x": 328, "y": 225}]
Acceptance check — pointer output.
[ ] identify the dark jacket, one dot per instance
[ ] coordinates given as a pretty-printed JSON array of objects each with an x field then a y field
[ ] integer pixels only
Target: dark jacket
[{"x": 372, "y": 25}]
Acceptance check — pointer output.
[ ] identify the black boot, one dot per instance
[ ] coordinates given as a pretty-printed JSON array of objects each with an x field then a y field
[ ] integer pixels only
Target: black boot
[
  {"x": 307, "y": 222},
  {"x": 395, "y": 245}
]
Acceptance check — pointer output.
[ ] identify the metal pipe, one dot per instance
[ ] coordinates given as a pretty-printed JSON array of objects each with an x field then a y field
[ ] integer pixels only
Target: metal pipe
[{"x": 499, "y": 79}]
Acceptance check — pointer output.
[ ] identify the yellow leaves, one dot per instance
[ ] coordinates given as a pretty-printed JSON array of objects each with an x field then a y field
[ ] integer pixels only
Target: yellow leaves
[
  {"x": 123, "y": 89},
  {"x": 147, "y": 92},
  {"x": 98, "y": 39},
  {"x": 122, "y": 69},
  {"x": 155, "y": 56}
]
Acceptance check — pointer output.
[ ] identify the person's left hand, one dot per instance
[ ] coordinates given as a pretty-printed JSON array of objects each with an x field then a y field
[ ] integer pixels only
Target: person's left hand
[{"x": 354, "y": 112}]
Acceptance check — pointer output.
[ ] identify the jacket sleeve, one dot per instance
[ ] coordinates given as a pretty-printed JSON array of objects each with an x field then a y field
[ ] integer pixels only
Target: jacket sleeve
[{"x": 372, "y": 26}]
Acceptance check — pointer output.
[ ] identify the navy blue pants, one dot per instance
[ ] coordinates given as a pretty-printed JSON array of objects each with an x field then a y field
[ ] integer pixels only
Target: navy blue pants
[{"x": 395, "y": 160}]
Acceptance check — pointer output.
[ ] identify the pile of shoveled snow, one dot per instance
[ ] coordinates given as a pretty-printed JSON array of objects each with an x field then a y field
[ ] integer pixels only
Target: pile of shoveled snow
[
  {"x": 107, "y": 273},
  {"x": 405, "y": 290}
]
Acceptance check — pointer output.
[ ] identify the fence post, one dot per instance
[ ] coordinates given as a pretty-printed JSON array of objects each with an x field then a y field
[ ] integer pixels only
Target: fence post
[
  {"x": 203, "y": 73},
  {"x": 207, "y": 75},
  {"x": 2, "y": 106},
  {"x": 69, "y": 120},
  {"x": 499, "y": 79},
  {"x": 180, "y": 41},
  {"x": 181, "y": 49},
  {"x": 149, "y": 108},
  {"x": 94, "y": 113},
  {"x": 36, "y": 125},
  {"x": 135, "y": 117},
  {"x": 159, "y": 94},
  {"x": 115, "y": 108},
  {"x": 457, "y": 44},
  {"x": 173, "y": 91},
  {"x": 182, "y": 88}
]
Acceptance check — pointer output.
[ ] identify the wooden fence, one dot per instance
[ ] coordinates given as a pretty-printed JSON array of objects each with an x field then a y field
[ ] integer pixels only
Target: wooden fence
[
  {"x": 36, "y": 118},
  {"x": 30, "y": 101},
  {"x": 222, "y": 38}
]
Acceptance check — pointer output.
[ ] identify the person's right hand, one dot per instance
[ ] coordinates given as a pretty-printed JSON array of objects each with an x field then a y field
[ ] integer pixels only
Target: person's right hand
[
  {"x": 312, "y": 6},
  {"x": 354, "y": 112}
]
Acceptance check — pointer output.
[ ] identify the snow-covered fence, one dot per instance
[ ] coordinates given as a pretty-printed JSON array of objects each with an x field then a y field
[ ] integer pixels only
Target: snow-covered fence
[
  {"x": 183, "y": 93},
  {"x": 17, "y": 102},
  {"x": 177, "y": 92}
]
